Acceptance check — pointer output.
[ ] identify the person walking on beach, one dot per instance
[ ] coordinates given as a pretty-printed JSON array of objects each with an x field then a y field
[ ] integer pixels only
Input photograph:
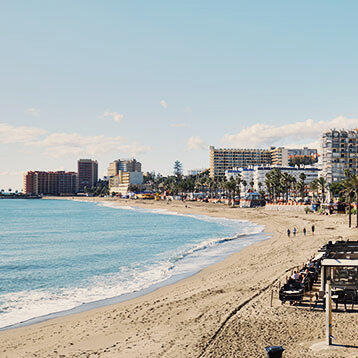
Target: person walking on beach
[
  {"x": 304, "y": 231},
  {"x": 288, "y": 232},
  {"x": 313, "y": 228},
  {"x": 294, "y": 231}
]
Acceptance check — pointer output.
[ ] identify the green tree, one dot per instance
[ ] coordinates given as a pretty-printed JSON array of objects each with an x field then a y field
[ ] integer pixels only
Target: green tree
[
  {"x": 314, "y": 187},
  {"x": 252, "y": 184},
  {"x": 244, "y": 184},
  {"x": 322, "y": 184},
  {"x": 350, "y": 191},
  {"x": 178, "y": 168},
  {"x": 273, "y": 183}
]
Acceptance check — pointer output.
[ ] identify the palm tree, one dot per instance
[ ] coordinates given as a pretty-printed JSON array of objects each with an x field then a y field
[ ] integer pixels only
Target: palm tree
[
  {"x": 285, "y": 182},
  {"x": 238, "y": 185},
  {"x": 350, "y": 188},
  {"x": 314, "y": 186},
  {"x": 322, "y": 183},
  {"x": 354, "y": 184},
  {"x": 252, "y": 185},
  {"x": 301, "y": 186},
  {"x": 231, "y": 187},
  {"x": 244, "y": 183},
  {"x": 222, "y": 185},
  {"x": 273, "y": 183}
]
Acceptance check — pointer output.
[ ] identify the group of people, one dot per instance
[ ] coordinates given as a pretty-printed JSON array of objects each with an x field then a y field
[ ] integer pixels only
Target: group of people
[
  {"x": 294, "y": 231},
  {"x": 306, "y": 275}
]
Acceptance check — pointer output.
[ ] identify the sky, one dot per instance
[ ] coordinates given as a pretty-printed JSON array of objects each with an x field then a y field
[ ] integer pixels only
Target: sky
[{"x": 162, "y": 80}]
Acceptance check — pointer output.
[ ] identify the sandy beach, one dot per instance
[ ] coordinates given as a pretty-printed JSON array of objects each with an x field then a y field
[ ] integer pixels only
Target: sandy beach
[{"x": 223, "y": 311}]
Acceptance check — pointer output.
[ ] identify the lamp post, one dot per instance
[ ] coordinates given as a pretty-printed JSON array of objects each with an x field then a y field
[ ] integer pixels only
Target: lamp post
[{"x": 328, "y": 312}]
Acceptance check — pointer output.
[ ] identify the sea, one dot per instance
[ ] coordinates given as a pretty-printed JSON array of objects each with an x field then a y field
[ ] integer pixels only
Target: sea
[{"x": 60, "y": 256}]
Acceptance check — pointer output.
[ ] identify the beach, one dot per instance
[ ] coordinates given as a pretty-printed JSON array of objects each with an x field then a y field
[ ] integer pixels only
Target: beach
[{"x": 222, "y": 311}]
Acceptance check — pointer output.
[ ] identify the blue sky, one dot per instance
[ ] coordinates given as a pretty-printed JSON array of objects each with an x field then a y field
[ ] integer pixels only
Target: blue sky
[{"x": 162, "y": 80}]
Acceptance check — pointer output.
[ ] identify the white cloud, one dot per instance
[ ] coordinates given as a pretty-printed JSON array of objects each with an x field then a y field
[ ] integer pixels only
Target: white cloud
[
  {"x": 117, "y": 117},
  {"x": 263, "y": 135},
  {"x": 178, "y": 125},
  {"x": 195, "y": 142},
  {"x": 35, "y": 112},
  {"x": 163, "y": 103},
  {"x": 68, "y": 144},
  {"x": 12, "y": 134},
  {"x": 13, "y": 173}
]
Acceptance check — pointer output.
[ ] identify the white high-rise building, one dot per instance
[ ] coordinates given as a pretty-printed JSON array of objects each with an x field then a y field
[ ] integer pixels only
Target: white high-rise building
[{"x": 339, "y": 153}]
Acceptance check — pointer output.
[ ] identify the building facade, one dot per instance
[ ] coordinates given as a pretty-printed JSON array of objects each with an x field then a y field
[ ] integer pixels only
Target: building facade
[
  {"x": 257, "y": 175},
  {"x": 50, "y": 183},
  {"x": 122, "y": 174},
  {"x": 196, "y": 171},
  {"x": 339, "y": 153},
  {"x": 127, "y": 165},
  {"x": 222, "y": 159},
  {"x": 281, "y": 156},
  {"x": 87, "y": 173}
]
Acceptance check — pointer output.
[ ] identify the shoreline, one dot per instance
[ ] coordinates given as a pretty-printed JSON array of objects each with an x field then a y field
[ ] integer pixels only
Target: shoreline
[
  {"x": 143, "y": 291},
  {"x": 199, "y": 305}
]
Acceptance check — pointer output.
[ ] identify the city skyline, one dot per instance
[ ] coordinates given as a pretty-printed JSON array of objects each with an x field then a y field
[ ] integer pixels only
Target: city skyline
[{"x": 162, "y": 82}]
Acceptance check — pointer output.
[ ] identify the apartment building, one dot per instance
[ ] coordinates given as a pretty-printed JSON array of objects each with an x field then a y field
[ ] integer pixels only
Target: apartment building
[
  {"x": 257, "y": 174},
  {"x": 50, "y": 183},
  {"x": 122, "y": 174},
  {"x": 222, "y": 159},
  {"x": 87, "y": 173},
  {"x": 339, "y": 153},
  {"x": 281, "y": 156},
  {"x": 126, "y": 165}
]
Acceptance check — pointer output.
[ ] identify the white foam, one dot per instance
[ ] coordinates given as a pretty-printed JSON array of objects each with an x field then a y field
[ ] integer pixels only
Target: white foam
[{"x": 17, "y": 307}]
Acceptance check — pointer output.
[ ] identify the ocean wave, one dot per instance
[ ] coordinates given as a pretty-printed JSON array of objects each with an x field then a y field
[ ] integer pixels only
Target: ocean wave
[
  {"x": 16, "y": 307},
  {"x": 186, "y": 260}
]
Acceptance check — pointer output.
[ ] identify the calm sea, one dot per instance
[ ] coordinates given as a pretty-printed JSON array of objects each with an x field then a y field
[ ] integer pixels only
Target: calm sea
[{"x": 60, "y": 254}]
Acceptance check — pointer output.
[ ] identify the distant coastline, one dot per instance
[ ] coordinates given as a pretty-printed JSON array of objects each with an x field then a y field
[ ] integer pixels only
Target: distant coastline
[{"x": 20, "y": 196}]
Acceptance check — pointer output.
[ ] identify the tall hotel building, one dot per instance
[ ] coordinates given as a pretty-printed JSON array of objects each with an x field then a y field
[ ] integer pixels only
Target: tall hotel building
[
  {"x": 127, "y": 165},
  {"x": 339, "y": 153},
  {"x": 222, "y": 159},
  {"x": 50, "y": 183},
  {"x": 122, "y": 173},
  {"x": 87, "y": 173}
]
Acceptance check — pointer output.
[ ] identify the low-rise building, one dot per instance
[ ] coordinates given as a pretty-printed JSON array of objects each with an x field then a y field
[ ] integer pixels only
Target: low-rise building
[
  {"x": 257, "y": 175},
  {"x": 311, "y": 174},
  {"x": 196, "y": 171}
]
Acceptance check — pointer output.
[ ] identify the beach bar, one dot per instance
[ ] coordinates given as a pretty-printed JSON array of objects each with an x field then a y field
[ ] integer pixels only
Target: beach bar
[
  {"x": 339, "y": 278},
  {"x": 340, "y": 265}
]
